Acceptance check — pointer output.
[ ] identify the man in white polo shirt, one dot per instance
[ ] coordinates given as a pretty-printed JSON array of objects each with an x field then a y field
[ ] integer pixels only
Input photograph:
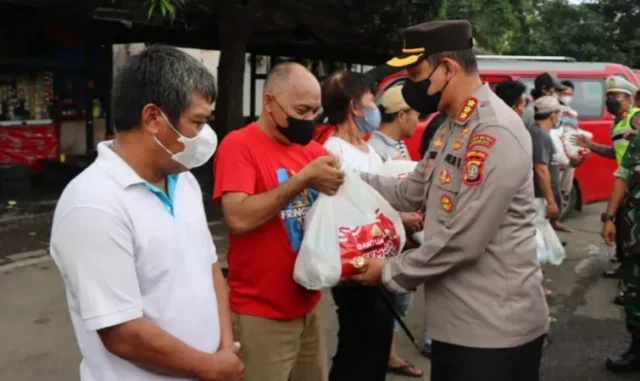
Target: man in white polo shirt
[{"x": 146, "y": 295}]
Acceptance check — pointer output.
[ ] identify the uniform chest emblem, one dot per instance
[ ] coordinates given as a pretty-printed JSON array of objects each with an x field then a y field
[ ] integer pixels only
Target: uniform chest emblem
[
  {"x": 483, "y": 140},
  {"x": 438, "y": 142},
  {"x": 467, "y": 110},
  {"x": 446, "y": 203},
  {"x": 465, "y": 131},
  {"x": 457, "y": 145},
  {"x": 473, "y": 168},
  {"x": 444, "y": 177}
]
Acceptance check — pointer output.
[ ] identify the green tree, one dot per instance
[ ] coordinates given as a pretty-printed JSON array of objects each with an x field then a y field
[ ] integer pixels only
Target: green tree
[
  {"x": 495, "y": 22},
  {"x": 623, "y": 18},
  {"x": 558, "y": 28}
]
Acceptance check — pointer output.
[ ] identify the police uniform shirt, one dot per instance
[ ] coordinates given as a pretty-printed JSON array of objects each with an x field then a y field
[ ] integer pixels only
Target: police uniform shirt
[{"x": 482, "y": 282}]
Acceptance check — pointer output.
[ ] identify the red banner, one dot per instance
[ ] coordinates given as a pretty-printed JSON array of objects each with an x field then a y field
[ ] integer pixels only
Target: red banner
[{"x": 28, "y": 144}]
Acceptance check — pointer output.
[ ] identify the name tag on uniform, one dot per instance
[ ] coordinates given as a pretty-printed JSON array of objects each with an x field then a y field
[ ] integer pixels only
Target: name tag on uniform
[{"x": 453, "y": 160}]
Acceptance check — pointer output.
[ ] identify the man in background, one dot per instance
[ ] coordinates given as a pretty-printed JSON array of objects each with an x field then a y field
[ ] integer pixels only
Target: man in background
[
  {"x": 625, "y": 193},
  {"x": 565, "y": 130},
  {"x": 544, "y": 84},
  {"x": 620, "y": 95},
  {"x": 545, "y": 169},
  {"x": 398, "y": 121},
  {"x": 513, "y": 94}
]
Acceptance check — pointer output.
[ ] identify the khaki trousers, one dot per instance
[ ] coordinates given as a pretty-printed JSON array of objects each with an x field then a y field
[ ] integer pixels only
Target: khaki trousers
[{"x": 282, "y": 350}]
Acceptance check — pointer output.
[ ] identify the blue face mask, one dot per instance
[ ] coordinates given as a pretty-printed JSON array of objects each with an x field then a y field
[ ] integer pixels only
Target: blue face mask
[{"x": 371, "y": 120}]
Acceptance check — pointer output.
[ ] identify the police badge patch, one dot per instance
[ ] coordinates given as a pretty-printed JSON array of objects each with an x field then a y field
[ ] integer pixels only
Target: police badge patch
[
  {"x": 446, "y": 203},
  {"x": 473, "y": 167},
  {"x": 484, "y": 140}
]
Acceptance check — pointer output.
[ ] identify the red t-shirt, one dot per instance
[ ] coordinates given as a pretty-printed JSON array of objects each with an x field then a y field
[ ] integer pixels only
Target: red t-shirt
[{"x": 261, "y": 262}]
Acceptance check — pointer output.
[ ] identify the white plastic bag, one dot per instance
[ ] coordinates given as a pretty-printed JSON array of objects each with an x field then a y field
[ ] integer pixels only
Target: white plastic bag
[
  {"x": 560, "y": 156},
  {"x": 549, "y": 247},
  {"x": 401, "y": 169},
  {"x": 355, "y": 222}
]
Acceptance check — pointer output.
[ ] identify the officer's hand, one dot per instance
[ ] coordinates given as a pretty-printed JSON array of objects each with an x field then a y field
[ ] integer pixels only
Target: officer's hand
[
  {"x": 609, "y": 233},
  {"x": 629, "y": 135},
  {"x": 412, "y": 222},
  {"x": 552, "y": 210},
  {"x": 323, "y": 175},
  {"x": 582, "y": 141},
  {"x": 371, "y": 274}
]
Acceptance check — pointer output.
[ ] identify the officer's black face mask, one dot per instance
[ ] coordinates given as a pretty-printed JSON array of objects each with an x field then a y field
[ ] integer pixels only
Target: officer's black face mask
[
  {"x": 613, "y": 106},
  {"x": 417, "y": 96},
  {"x": 299, "y": 131}
]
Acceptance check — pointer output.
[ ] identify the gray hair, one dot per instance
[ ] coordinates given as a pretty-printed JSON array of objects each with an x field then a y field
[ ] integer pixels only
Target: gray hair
[{"x": 164, "y": 76}]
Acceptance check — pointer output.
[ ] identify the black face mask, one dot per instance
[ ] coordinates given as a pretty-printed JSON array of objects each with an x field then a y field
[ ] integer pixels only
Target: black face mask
[
  {"x": 417, "y": 97},
  {"x": 613, "y": 106},
  {"x": 299, "y": 131}
]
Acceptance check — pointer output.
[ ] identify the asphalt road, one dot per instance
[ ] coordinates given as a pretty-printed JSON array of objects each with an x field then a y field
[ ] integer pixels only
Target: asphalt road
[{"x": 37, "y": 342}]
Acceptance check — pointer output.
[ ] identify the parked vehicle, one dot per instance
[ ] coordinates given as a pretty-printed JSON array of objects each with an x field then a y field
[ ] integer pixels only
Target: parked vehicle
[{"x": 594, "y": 177}]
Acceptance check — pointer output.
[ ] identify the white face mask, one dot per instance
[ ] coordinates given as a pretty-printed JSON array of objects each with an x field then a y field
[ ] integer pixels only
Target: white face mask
[
  {"x": 566, "y": 99},
  {"x": 197, "y": 150}
]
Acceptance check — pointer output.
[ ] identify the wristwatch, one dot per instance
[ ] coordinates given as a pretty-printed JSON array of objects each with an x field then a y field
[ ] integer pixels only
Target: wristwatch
[{"x": 606, "y": 217}]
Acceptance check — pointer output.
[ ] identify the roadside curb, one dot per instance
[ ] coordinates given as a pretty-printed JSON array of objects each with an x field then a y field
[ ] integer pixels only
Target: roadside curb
[
  {"x": 27, "y": 258},
  {"x": 8, "y": 219}
]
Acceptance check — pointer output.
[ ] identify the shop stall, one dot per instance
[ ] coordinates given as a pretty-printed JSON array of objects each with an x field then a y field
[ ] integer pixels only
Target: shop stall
[{"x": 28, "y": 132}]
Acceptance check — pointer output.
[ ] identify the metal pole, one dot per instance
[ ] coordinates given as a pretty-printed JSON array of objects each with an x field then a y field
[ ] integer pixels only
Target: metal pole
[{"x": 398, "y": 318}]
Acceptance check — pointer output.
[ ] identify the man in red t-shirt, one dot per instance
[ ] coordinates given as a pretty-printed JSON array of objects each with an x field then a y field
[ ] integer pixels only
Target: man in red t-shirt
[{"x": 268, "y": 175}]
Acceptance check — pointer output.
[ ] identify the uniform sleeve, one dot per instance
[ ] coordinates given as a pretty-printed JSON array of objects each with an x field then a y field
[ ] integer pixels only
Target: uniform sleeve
[
  {"x": 406, "y": 195},
  {"x": 635, "y": 121},
  {"x": 233, "y": 168},
  {"x": 480, "y": 206},
  {"x": 628, "y": 162},
  {"x": 94, "y": 251}
]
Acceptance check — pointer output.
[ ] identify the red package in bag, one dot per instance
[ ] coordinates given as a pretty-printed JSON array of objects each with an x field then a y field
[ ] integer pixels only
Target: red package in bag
[
  {"x": 376, "y": 240},
  {"x": 340, "y": 231}
]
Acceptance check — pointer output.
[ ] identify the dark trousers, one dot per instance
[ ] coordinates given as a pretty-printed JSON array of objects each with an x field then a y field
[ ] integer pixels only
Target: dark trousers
[
  {"x": 364, "y": 335},
  {"x": 456, "y": 363}
]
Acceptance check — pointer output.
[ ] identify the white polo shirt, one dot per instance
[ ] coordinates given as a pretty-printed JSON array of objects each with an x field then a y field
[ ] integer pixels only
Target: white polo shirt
[{"x": 127, "y": 250}]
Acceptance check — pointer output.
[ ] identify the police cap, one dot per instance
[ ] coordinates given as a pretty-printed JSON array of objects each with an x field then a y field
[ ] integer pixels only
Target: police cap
[
  {"x": 617, "y": 84},
  {"x": 422, "y": 40}
]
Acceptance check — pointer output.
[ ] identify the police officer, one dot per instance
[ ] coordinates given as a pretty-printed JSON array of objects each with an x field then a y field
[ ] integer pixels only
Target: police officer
[
  {"x": 483, "y": 296},
  {"x": 624, "y": 204},
  {"x": 619, "y": 104}
]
